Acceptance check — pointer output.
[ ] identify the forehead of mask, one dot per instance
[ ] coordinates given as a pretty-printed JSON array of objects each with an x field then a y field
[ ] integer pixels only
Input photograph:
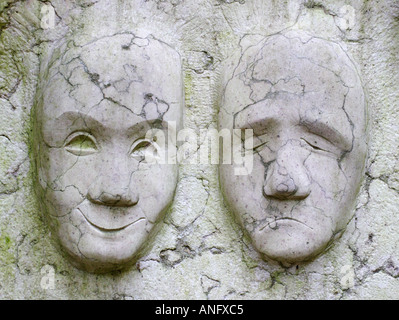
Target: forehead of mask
[
  {"x": 127, "y": 73},
  {"x": 317, "y": 75}
]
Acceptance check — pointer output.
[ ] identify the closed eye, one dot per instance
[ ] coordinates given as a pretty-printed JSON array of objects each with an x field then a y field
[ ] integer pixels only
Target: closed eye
[
  {"x": 322, "y": 145},
  {"x": 258, "y": 141},
  {"x": 256, "y": 147},
  {"x": 313, "y": 145}
]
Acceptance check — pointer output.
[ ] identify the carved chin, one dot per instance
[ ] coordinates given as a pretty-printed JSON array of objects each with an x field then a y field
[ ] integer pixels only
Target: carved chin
[
  {"x": 96, "y": 250},
  {"x": 291, "y": 241}
]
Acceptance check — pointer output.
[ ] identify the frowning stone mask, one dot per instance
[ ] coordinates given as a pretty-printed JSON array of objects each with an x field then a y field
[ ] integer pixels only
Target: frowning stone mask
[
  {"x": 95, "y": 105},
  {"x": 304, "y": 101}
]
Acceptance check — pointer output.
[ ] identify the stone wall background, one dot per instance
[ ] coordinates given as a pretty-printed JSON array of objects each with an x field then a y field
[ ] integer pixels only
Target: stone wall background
[{"x": 200, "y": 251}]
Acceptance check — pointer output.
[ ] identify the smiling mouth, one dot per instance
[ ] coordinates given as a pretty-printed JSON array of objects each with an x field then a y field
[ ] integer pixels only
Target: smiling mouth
[
  {"x": 109, "y": 229},
  {"x": 283, "y": 219}
]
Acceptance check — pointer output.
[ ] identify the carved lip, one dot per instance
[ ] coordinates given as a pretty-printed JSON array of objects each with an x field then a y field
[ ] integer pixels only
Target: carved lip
[
  {"x": 109, "y": 229},
  {"x": 285, "y": 219}
]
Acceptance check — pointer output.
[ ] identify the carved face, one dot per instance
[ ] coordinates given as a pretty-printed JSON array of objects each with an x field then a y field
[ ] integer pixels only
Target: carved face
[
  {"x": 102, "y": 194},
  {"x": 304, "y": 101}
]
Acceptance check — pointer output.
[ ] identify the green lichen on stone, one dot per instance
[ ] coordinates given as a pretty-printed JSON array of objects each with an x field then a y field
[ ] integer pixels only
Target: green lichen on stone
[
  {"x": 5, "y": 3},
  {"x": 188, "y": 86},
  {"x": 7, "y": 255}
]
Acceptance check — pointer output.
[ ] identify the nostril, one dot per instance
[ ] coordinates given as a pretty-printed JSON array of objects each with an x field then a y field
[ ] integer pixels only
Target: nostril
[
  {"x": 281, "y": 191},
  {"x": 285, "y": 191},
  {"x": 284, "y": 184},
  {"x": 300, "y": 195},
  {"x": 286, "y": 187}
]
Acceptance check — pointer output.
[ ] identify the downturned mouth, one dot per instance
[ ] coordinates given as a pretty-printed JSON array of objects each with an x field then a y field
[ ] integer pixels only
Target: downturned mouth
[{"x": 271, "y": 223}]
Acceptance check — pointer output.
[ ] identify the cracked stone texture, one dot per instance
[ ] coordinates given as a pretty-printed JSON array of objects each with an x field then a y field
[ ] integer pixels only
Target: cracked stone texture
[
  {"x": 304, "y": 101},
  {"x": 99, "y": 190},
  {"x": 99, "y": 174},
  {"x": 200, "y": 251}
]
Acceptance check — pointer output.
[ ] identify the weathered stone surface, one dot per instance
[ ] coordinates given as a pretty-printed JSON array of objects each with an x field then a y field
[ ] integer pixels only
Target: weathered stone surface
[
  {"x": 98, "y": 177},
  {"x": 303, "y": 99},
  {"x": 199, "y": 250}
]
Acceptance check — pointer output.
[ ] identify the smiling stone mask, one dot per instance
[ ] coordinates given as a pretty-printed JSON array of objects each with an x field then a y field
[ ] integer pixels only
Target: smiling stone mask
[
  {"x": 95, "y": 106},
  {"x": 304, "y": 101}
]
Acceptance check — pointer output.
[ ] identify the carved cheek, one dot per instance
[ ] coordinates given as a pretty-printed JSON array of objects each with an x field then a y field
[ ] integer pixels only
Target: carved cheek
[
  {"x": 67, "y": 179},
  {"x": 328, "y": 180},
  {"x": 156, "y": 189}
]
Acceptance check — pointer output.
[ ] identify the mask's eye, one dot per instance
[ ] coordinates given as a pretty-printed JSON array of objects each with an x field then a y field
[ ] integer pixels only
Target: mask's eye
[
  {"x": 81, "y": 144},
  {"x": 257, "y": 145},
  {"x": 145, "y": 150},
  {"x": 313, "y": 143},
  {"x": 251, "y": 142},
  {"x": 320, "y": 144}
]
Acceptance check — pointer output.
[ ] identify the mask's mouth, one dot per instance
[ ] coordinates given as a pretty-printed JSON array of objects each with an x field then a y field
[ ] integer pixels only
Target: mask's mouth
[
  {"x": 108, "y": 229},
  {"x": 274, "y": 225},
  {"x": 109, "y": 218}
]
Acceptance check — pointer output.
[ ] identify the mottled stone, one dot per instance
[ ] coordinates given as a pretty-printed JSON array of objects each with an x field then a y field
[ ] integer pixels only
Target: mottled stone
[{"x": 200, "y": 250}]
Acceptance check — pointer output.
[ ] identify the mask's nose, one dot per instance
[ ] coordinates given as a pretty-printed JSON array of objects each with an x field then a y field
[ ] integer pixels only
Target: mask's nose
[
  {"x": 113, "y": 186},
  {"x": 286, "y": 178},
  {"x": 113, "y": 199}
]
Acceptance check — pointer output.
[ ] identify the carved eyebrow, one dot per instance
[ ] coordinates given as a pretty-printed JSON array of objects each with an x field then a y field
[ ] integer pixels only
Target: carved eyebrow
[
  {"x": 261, "y": 121},
  {"x": 258, "y": 119},
  {"x": 56, "y": 130},
  {"x": 76, "y": 116},
  {"x": 91, "y": 122},
  {"x": 329, "y": 132},
  {"x": 259, "y": 126}
]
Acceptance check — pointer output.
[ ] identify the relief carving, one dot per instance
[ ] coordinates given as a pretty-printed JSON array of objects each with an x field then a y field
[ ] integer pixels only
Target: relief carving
[
  {"x": 304, "y": 101},
  {"x": 95, "y": 105}
]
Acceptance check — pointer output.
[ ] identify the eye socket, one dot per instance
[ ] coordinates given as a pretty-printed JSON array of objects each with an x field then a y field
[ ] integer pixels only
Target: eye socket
[
  {"x": 81, "y": 144},
  {"x": 145, "y": 150}
]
